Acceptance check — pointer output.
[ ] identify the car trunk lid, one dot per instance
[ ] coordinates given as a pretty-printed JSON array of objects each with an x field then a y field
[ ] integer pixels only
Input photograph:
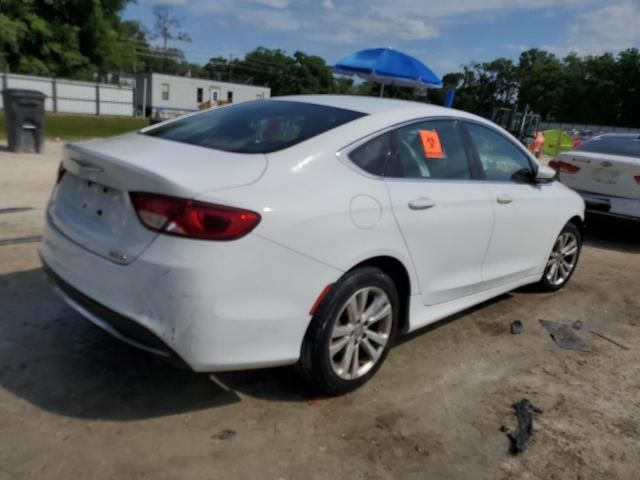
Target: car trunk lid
[
  {"x": 602, "y": 173},
  {"x": 91, "y": 203}
]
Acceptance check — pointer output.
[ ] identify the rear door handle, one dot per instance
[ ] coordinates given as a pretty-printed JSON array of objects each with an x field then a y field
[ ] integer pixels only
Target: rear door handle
[
  {"x": 421, "y": 203},
  {"x": 504, "y": 198}
]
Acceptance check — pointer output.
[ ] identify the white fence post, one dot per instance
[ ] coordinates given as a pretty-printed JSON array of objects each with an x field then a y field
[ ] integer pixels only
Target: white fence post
[
  {"x": 98, "y": 99},
  {"x": 54, "y": 95}
]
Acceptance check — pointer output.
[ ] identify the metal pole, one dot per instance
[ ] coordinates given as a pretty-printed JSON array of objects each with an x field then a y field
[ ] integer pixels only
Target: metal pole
[
  {"x": 381, "y": 89},
  {"x": 522, "y": 123},
  {"x": 144, "y": 96},
  {"x": 134, "y": 101}
]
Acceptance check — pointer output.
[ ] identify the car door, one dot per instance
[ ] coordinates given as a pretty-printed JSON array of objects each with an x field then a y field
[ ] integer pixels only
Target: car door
[
  {"x": 444, "y": 214},
  {"x": 523, "y": 208}
]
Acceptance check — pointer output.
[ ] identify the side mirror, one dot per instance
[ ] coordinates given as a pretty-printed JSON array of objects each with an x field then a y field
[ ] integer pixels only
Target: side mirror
[{"x": 545, "y": 174}]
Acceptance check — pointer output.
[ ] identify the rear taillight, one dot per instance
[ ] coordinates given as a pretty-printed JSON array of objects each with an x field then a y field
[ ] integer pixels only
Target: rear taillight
[
  {"x": 637, "y": 179},
  {"x": 563, "y": 166},
  {"x": 188, "y": 218},
  {"x": 60, "y": 173}
]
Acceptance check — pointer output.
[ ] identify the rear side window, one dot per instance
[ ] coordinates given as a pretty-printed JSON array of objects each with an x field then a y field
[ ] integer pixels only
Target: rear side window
[
  {"x": 372, "y": 156},
  {"x": 627, "y": 146},
  {"x": 261, "y": 126},
  {"x": 431, "y": 149}
]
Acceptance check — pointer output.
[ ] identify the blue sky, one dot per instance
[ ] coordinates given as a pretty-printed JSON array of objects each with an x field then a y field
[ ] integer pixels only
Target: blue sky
[{"x": 443, "y": 34}]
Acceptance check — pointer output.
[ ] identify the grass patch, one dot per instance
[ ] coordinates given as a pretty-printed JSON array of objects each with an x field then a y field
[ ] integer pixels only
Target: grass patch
[{"x": 75, "y": 127}]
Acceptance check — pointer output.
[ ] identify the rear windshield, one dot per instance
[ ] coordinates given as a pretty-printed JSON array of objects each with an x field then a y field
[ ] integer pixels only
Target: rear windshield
[
  {"x": 260, "y": 126},
  {"x": 628, "y": 146}
]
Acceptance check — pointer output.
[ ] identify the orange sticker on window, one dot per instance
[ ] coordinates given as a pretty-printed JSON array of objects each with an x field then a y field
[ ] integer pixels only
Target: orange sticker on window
[{"x": 431, "y": 144}]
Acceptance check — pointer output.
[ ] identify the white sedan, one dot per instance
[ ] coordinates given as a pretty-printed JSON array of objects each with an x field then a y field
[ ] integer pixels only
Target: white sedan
[
  {"x": 606, "y": 172},
  {"x": 304, "y": 230}
]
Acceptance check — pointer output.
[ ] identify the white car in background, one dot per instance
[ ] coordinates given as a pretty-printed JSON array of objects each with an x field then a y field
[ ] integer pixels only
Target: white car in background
[
  {"x": 605, "y": 170},
  {"x": 302, "y": 230}
]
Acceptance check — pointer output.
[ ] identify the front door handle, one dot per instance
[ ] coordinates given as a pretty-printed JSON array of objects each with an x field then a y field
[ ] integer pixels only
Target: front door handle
[
  {"x": 504, "y": 198},
  {"x": 421, "y": 203}
]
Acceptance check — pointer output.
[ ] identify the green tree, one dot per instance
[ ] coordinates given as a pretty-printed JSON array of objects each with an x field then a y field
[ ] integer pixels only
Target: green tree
[
  {"x": 72, "y": 38},
  {"x": 628, "y": 86},
  {"x": 540, "y": 76},
  {"x": 310, "y": 74}
]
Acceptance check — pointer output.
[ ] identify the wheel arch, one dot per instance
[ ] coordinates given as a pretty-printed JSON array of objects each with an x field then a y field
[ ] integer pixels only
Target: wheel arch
[
  {"x": 578, "y": 222},
  {"x": 400, "y": 276}
]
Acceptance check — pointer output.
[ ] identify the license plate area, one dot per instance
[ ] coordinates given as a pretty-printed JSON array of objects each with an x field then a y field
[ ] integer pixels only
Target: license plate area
[
  {"x": 86, "y": 205},
  {"x": 96, "y": 200},
  {"x": 606, "y": 176}
]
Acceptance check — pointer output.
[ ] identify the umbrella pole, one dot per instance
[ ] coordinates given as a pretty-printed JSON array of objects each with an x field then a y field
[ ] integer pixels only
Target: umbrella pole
[{"x": 381, "y": 89}]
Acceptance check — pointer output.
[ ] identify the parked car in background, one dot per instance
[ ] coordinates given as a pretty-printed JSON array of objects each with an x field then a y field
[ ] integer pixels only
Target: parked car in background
[
  {"x": 605, "y": 170},
  {"x": 302, "y": 230}
]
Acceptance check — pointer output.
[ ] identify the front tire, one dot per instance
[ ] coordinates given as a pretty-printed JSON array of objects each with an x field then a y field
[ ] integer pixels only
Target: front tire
[
  {"x": 351, "y": 332},
  {"x": 563, "y": 259}
]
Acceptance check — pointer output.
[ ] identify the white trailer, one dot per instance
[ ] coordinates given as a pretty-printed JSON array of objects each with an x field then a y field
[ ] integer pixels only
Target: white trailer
[{"x": 164, "y": 96}]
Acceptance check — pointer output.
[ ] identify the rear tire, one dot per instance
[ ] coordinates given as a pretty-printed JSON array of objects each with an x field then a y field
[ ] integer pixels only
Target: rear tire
[
  {"x": 563, "y": 259},
  {"x": 351, "y": 332}
]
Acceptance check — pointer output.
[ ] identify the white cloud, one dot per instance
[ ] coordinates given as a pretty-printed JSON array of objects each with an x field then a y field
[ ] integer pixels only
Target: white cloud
[
  {"x": 378, "y": 25},
  {"x": 271, "y": 19},
  {"x": 518, "y": 47},
  {"x": 609, "y": 29},
  {"x": 328, "y": 4},
  {"x": 273, "y": 3},
  {"x": 590, "y": 26},
  {"x": 333, "y": 24},
  {"x": 449, "y": 8}
]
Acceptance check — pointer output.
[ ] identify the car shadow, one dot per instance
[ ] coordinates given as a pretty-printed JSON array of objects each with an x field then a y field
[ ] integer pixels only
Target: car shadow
[
  {"x": 59, "y": 362},
  {"x": 612, "y": 233},
  {"x": 54, "y": 359}
]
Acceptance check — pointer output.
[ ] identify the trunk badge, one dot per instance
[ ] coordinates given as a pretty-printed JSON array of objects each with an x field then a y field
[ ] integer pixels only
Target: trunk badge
[{"x": 606, "y": 164}]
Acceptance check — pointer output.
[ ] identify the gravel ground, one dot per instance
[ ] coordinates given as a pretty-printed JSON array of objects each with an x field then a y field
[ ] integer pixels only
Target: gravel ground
[{"x": 75, "y": 403}]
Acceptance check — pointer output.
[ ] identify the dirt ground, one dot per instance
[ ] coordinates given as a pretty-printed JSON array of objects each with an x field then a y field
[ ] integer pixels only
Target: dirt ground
[{"x": 75, "y": 403}]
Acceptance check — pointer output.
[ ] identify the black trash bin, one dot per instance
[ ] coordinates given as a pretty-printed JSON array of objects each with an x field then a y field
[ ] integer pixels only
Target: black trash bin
[{"x": 24, "y": 116}]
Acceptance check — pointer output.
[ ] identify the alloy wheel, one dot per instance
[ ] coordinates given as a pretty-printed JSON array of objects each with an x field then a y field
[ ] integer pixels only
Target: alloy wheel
[
  {"x": 563, "y": 259},
  {"x": 360, "y": 333}
]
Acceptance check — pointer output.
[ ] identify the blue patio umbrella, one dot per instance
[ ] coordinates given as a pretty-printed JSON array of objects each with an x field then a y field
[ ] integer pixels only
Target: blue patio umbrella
[{"x": 388, "y": 67}]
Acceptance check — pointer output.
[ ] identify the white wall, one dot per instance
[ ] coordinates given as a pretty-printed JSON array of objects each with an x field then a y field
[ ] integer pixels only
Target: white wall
[{"x": 68, "y": 96}]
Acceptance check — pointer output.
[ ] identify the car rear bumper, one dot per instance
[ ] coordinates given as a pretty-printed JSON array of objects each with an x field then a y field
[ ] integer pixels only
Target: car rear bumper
[
  {"x": 611, "y": 205},
  {"x": 216, "y": 305},
  {"x": 112, "y": 322}
]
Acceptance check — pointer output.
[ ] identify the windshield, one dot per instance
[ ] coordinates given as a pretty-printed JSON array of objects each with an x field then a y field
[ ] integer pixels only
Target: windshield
[
  {"x": 260, "y": 126},
  {"x": 627, "y": 146}
]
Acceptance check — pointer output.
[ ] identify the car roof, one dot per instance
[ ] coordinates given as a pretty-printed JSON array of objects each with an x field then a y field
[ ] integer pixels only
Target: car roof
[
  {"x": 376, "y": 105},
  {"x": 619, "y": 136}
]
